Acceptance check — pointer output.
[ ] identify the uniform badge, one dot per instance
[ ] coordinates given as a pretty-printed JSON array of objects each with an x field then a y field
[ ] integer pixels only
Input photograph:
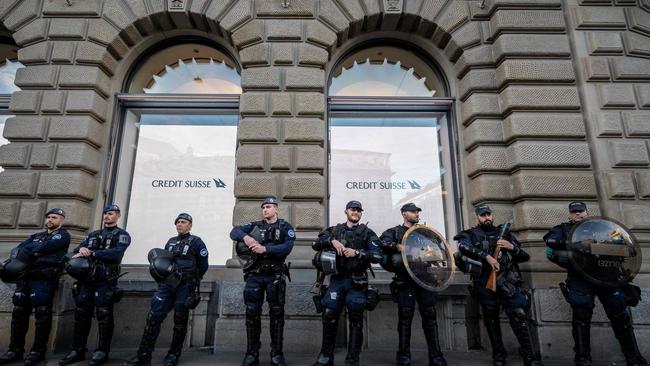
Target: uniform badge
[
  {"x": 291, "y": 233},
  {"x": 204, "y": 252},
  {"x": 56, "y": 237}
]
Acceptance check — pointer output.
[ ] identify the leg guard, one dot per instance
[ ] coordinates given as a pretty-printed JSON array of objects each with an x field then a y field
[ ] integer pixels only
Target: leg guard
[
  {"x": 404, "y": 321},
  {"x": 276, "y": 313},
  {"x": 493, "y": 328},
  {"x": 520, "y": 325},
  {"x": 253, "y": 332},
  {"x": 581, "y": 328},
  {"x": 180, "y": 331},
  {"x": 330, "y": 326},
  {"x": 430, "y": 328},
  {"x": 624, "y": 331},
  {"x": 355, "y": 341},
  {"x": 42, "y": 328},
  {"x": 82, "y": 323},
  {"x": 105, "y": 324},
  {"x": 19, "y": 327},
  {"x": 149, "y": 337}
]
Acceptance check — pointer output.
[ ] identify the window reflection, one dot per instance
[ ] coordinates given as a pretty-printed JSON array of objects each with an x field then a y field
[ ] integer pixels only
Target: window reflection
[
  {"x": 192, "y": 76},
  {"x": 3, "y": 141},
  {"x": 8, "y": 75}
]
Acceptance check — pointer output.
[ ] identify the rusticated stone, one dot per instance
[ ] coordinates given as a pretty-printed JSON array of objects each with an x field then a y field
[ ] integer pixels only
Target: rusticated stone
[
  {"x": 643, "y": 95},
  {"x": 638, "y": 20},
  {"x": 256, "y": 185},
  {"x": 526, "y": 20},
  {"x": 304, "y": 130},
  {"x": 565, "y": 125},
  {"x": 629, "y": 68},
  {"x": 260, "y": 78},
  {"x": 480, "y": 105},
  {"x": 308, "y": 216},
  {"x": 25, "y": 101},
  {"x": 514, "y": 71},
  {"x": 79, "y": 155},
  {"x": 490, "y": 187},
  {"x": 304, "y": 185},
  {"x": 86, "y": 102},
  {"x": 635, "y": 215},
  {"x": 310, "y": 158},
  {"x": 486, "y": 158},
  {"x": 77, "y": 214},
  {"x": 320, "y": 34},
  {"x": 636, "y": 44},
  {"x": 330, "y": 13},
  {"x": 77, "y": 128},
  {"x": 237, "y": 15},
  {"x": 312, "y": 55},
  {"x": 25, "y": 128},
  {"x": 283, "y": 29},
  {"x": 85, "y": 77},
  {"x": 607, "y": 124},
  {"x": 36, "y": 76},
  {"x": 543, "y": 215},
  {"x": 251, "y": 157},
  {"x": 67, "y": 28},
  {"x": 52, "y": 101},
  {"x": 280, "y": 157},
  {"x": 619, "y": 184},
  {"x": 43, "y": 155},
  {"x": 310, "y": 103},
  {"x": 596, "y": 69},
  {"x": 527, "y": 45},
  {"x": 282, "y": 53},
  {"x": 298, "y": 8},
  {"x": 598, "y": 18},
  {"x": 20, "y": 184},
  {"x": 8, "y": 212},
  {"x": 86, "y": 7},
  {"x": 73, "y": 184},
  {"x": 477, "y": 80},
  {"x": 280, "y": 104},
  {"x": 257, "y": 129},
  {"x": 21, "y": 14},
  {"x": 32, "y": 32},
  {"x": 628, "y": 153},
  {"x": 475, "y": 57},
  {"x": 251, "y": 32},
  {"x": 536, "y": 98},
  {"x": 14, "y": 155},
  {"x": 643, "y": 183},
  {"x": 63, "y": 51},
  {"x": 36, "y": 53},
  {"x": 255, "y": 55},
  {"x": 548, "y": 155},
  {"x": 483, "y": 131},
  {"x": 252, "y": 104},
  {"x": 31, "y": 214},
  {"x": 604, "y": 43},
  {"x": 556, "y": 184},
  {"x": 637, "y": 124},
  {"x": 304, "y": 78}
]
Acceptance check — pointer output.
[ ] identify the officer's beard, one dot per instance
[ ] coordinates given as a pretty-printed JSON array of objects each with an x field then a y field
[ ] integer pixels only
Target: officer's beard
[
  {"x": 486, "y": 224},
  {"x": 413, "y": 221}
]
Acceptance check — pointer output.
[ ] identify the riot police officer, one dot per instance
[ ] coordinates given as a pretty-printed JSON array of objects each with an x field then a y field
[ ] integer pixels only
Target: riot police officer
[
  {"x": 271, "y": 241},
  {"x": 35, "y": 289},
  {"x": 479, "y": 244},
  {"x": 190, "y": 261},
  {"x": 406, "y": 292},
  {"x": 356, "y": 246},
  {"x": 98, "y": 290},
  {"x": 581, "y": 295}
]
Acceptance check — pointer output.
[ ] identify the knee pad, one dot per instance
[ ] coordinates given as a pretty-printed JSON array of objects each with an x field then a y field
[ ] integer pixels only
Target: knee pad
[
  {"x": 21, "y": 311},
  {"x": 276, "y": 311},
  {"x": 42, "y": 313},
  {"x": 104, "y": 314},
  {"x": 406, "y": 312},
  {"x": 330, "y": 315},
  {"x": 180, "y": 320},
  {"x": 582, "y": 314},
  {"x": 620, "y": 318},
  {"x": 155, "y": 318},
  {"x": 253, "y": 312},
  {"x": 428, "y": 313},
  {"x": 82, "y": 313},
  {"x": 355, "y": 317},
  {"x": 518, "y": 314},
  {"x": 491, "y": 312}
]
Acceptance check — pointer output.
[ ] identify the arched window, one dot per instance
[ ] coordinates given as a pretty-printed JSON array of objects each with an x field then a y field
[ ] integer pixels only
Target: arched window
[
  {"x": 176, "y": 148},
  {"x": 9, "y": 65},
  {"x": 391, "y": 138}
]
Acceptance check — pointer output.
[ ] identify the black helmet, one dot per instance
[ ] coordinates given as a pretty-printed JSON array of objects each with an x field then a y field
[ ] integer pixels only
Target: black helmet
[
  {"x": 162, "y": 267},
  {"x": 80, "y": 268},
  {"x": 372, "y": 298},
  {"x": 14, "y": 268}
]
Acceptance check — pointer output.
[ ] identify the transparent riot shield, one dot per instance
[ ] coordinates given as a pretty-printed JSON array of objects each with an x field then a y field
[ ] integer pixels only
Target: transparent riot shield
[
  {"x": 604, "y": 252},
  {"x": 427, "y": 257}
]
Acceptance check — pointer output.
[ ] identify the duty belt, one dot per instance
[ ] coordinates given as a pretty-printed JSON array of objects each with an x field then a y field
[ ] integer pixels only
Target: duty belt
[{"x": 268, "y": 269}]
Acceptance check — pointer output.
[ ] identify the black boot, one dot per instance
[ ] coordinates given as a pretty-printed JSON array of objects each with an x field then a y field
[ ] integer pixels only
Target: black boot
[
  {"x": 138, "y": 360},
  {"x": 430, "y": 328},
  {"x": 624, "y": 331},
  {"x": 11, "y": 357},
  {"x": 253, "y": 332},
  {"x": 19, "y": 327},
  {"x": 148, "y": 341},
  {"x": 355, "y": 334},
  {"x": 404, "y": 321},
  {"x": 105, "y": 326},
  {"x": 42, "y": 328},
  {"x": 73, "y": 356},
  {"x": 521, "y": 327},
  {"x": 82, "y": 323},
  {"x": 277, "y": 333},
  {"x": 581, "y": 328},
  {"x": 493, "y": 328},
  {"x": 178, "y": 338},
  {"x": 330, "y": 326}
]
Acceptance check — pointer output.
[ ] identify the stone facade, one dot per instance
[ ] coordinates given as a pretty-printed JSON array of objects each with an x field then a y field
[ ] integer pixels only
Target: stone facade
[{"x": 552, "y": 104}]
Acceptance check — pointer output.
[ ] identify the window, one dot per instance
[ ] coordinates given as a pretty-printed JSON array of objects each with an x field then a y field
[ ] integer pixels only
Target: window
[
  {"x": 177, "y": 149},
  {"x": 391, "y": 140},
  {"x": 8, "y": 67}
]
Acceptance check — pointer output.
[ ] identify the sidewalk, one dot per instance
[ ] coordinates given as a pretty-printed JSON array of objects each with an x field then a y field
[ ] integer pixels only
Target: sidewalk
[{"x": 197, "y": 357}]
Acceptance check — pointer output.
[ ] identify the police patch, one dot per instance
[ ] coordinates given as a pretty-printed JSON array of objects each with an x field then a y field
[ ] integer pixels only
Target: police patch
[
  {"x": 124, "y": 238},
  {"x": 204, "y": 252},
  {"x": 56, "y": 237},
  {"x": 291, "y": 234}
]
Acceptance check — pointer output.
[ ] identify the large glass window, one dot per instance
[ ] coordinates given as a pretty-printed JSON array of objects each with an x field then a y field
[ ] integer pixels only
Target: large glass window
[
  {"x": 8, "y": 67},
  {"x": 391, "y": 140},
  {"x": 177, "y": 149}
]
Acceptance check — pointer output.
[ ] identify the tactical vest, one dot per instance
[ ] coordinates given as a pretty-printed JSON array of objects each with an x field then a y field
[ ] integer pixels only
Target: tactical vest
[
  {"x": 48, "y": 260},
  {"x": 105, "y": 239},
  {"x": 355, "y": 239},
  {"x": 394, "y": 262},
  {"x": 185, "y": 254},
  {"x": 270, "y": 234},
  {"x": 488, "y": 243}
]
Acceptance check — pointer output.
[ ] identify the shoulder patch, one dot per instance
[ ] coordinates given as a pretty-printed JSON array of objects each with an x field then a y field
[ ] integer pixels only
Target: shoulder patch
[
  {"x": 291, "y": 233},
  {"x": 56, "y": 237},
  {"x": 124, "y": 238},
  {"x": 204, "y": 252}
]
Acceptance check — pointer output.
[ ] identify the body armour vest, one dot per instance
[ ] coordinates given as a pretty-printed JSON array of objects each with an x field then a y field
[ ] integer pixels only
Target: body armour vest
[
  {"x": 271, "y": 234},
  {"x": 185, "y": 254}
]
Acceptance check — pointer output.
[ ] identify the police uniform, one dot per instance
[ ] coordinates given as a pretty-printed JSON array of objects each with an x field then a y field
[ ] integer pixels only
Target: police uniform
[
  {"x": 35, "y": 291},
  {"x": 266, "y": 276},
  {"x": 581, "y": 296},
  {"x": 347, "y": 287},
  {"x": 98, "y": 292},
  {"x": 477, "y": 243},
  {"x": 406, "y": 293},
  {"x": 190, "y": 257}
]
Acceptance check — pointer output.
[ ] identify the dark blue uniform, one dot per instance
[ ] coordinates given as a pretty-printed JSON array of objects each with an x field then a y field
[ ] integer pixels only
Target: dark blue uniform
[
  {"x": 477, "y": 243},
  {"x": 266, "y": 276},
  {"x": 406, "y": 293},
  {"x": 37, "y": 289},
  {"x": 99, "y": 292},
  {"x": 191, "y": 258},
  {"x": 347, "y": 287},
  {"x": 581, "y": 296}
]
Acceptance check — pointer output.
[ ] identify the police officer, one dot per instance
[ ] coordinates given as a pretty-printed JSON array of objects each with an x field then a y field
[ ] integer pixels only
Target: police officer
[
  {"x": 191, "y": 261},
  {"x": 36, "y": 289},
  {"x": 271, "y": 240},
  {"x": 356, "y": 247},
  {"x": 479, "y": 243},
  {"x": 581, "y": 295},
  {"x": 106, "y": 248},
  {"x": 406, "y": 292}
]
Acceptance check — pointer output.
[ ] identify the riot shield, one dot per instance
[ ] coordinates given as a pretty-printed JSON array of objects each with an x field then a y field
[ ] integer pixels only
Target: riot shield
[
  {"x": 427, "y": 257},
  {"x": 604, "y": 252}
]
